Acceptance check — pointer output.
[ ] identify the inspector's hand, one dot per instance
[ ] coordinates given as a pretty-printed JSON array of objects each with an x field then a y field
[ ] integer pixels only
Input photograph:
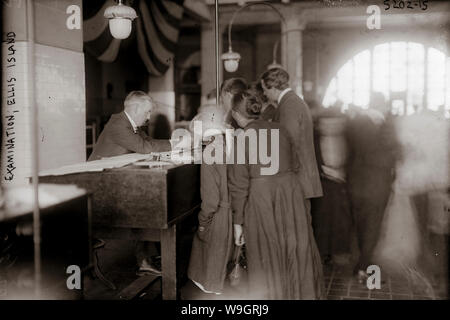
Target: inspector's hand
[
  {"x": 238, "y": 235},
  {"x": 181, "y": 144}
]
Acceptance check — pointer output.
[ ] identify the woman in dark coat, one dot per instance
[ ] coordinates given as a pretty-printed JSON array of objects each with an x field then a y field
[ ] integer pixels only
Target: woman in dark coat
[
  {"x": 268, "y": 211},
  {"x": 212, "y": 244}
]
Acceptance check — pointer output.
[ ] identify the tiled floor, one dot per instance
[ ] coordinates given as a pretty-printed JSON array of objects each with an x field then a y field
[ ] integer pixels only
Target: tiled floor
[
  {"x": 119, "y": 265},
  {"x": 341, "y": 285}
]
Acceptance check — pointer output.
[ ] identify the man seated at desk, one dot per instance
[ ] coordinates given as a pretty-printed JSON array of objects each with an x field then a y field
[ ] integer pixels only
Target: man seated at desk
[{"x": 122, "y": 135}]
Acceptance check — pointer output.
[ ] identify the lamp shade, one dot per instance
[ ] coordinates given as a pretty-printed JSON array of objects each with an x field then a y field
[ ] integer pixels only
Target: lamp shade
[
  {"x": 231, "y": 60},
  {"x": 120, "y": 18}
]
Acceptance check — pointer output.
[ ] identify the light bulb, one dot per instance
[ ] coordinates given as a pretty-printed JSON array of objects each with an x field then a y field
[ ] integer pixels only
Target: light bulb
[
  {"x": 231, "y": 65},
  {"x": 120, "y": 28}
]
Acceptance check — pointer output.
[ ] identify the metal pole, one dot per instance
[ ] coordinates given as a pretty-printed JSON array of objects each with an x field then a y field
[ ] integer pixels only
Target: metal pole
[
  {"x": 216, "y": 30},
  {"x": 35, "y": 150},
  {"x": 233, "y": 17}
]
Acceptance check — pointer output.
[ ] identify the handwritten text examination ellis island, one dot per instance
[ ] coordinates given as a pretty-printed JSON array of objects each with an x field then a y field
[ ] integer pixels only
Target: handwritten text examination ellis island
[{"x": 233, "y": 149}]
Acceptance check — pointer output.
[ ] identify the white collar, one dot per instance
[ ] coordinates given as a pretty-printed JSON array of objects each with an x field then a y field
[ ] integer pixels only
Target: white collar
[
  {"x": 133, "y": 124},
  {"x": 283, "y": 93}
]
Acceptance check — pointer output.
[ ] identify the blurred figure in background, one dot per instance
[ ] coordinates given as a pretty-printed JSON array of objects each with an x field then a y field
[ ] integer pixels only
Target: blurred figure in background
[
  {"x": 331, "y": 215},
  {"x": 371, "y": 159},
  {"x": 414, "y": 242}
]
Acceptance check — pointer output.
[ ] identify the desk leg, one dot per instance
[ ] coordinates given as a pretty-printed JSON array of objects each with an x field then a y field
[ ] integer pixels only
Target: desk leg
[{"x": 169, "y": 263}]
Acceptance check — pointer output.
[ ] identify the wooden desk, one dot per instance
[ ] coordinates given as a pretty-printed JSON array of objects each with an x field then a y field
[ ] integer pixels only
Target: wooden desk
[{"x": 142, "y": 204}]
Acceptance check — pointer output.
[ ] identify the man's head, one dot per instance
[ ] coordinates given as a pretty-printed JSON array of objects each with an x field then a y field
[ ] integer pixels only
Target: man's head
[
  {"x": 139, "y": 106},
  {"x": 273, "y": 82},
  {"x": 229, "y": 88},
  {"x": 378, "y": 102}
]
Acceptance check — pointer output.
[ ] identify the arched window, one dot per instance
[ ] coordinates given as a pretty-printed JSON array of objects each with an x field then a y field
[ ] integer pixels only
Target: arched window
[{"x": 410, "y": 75}]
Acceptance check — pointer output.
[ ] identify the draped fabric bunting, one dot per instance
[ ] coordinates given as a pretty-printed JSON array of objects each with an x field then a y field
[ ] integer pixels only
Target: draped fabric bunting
[{"x": 157, "y": 30}]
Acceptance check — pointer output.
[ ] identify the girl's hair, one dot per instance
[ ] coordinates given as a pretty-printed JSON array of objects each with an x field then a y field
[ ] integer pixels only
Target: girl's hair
[
  {"x": 250, "y": 101},
  {"x": 234, "y": 85},
  {"x": 257, "y": 88}
]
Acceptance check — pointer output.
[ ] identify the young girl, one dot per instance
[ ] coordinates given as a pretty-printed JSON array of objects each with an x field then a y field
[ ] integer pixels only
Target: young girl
[
  {"x": 228, "y": 90},
  {"x": 212, "y": 244}
]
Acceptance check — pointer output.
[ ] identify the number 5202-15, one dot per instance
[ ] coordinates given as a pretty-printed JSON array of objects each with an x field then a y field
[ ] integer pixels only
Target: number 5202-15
[{"x": 400, "y": 4}]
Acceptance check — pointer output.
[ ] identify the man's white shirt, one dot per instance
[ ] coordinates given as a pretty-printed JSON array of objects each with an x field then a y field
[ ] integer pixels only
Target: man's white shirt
[
  {"x": 133, "y": 124},
  {"x": 282, "y": 94}
]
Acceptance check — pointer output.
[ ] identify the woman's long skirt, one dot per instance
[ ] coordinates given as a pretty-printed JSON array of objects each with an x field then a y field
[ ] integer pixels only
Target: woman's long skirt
[{"x": 282, "y": 256}]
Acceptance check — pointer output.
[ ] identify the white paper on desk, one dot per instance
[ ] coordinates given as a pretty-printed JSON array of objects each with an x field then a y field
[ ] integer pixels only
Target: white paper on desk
[
  {"x": 151, "y": 163},
  {"x": 96, "y": 165},
  {"x": 128, "y": 157}
]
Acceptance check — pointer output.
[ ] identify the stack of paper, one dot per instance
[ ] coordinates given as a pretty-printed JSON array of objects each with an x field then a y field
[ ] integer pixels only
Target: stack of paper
[
  {"x": 152, "y": 164},
  {"x": 177, "y": 156},
  {"x": 97, "y": 165}
]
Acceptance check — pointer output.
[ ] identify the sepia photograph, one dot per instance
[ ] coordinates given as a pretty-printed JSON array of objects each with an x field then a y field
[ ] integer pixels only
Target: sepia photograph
[{"x": 217, "y": 157}]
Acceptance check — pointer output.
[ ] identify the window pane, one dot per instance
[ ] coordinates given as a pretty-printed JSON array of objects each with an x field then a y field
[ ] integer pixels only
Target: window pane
[
  {"x": 345, "y": 83},
  {"x": 398, "y": 66},
  {"x": 381, "y": 69},
  {"x": 398, "y": 71},
  {"x": 447, "y": 86},
  {"x": 361, "y": 78},
  {"x": 436, "y": 78}
]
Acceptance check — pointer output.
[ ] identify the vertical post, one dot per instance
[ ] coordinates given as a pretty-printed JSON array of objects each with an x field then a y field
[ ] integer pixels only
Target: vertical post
[
  {"x": 371, "y": 76},
  {"x": 389, "y": 76},
  {"x": 216, "y": 33},
  {"x": 90, "y": 248},
  {"x": 405, "y": 104},
  {"x": 169, "y": 262},
  {"x": 292, "y": 50},
  {"x": 35, "y": 151}
]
